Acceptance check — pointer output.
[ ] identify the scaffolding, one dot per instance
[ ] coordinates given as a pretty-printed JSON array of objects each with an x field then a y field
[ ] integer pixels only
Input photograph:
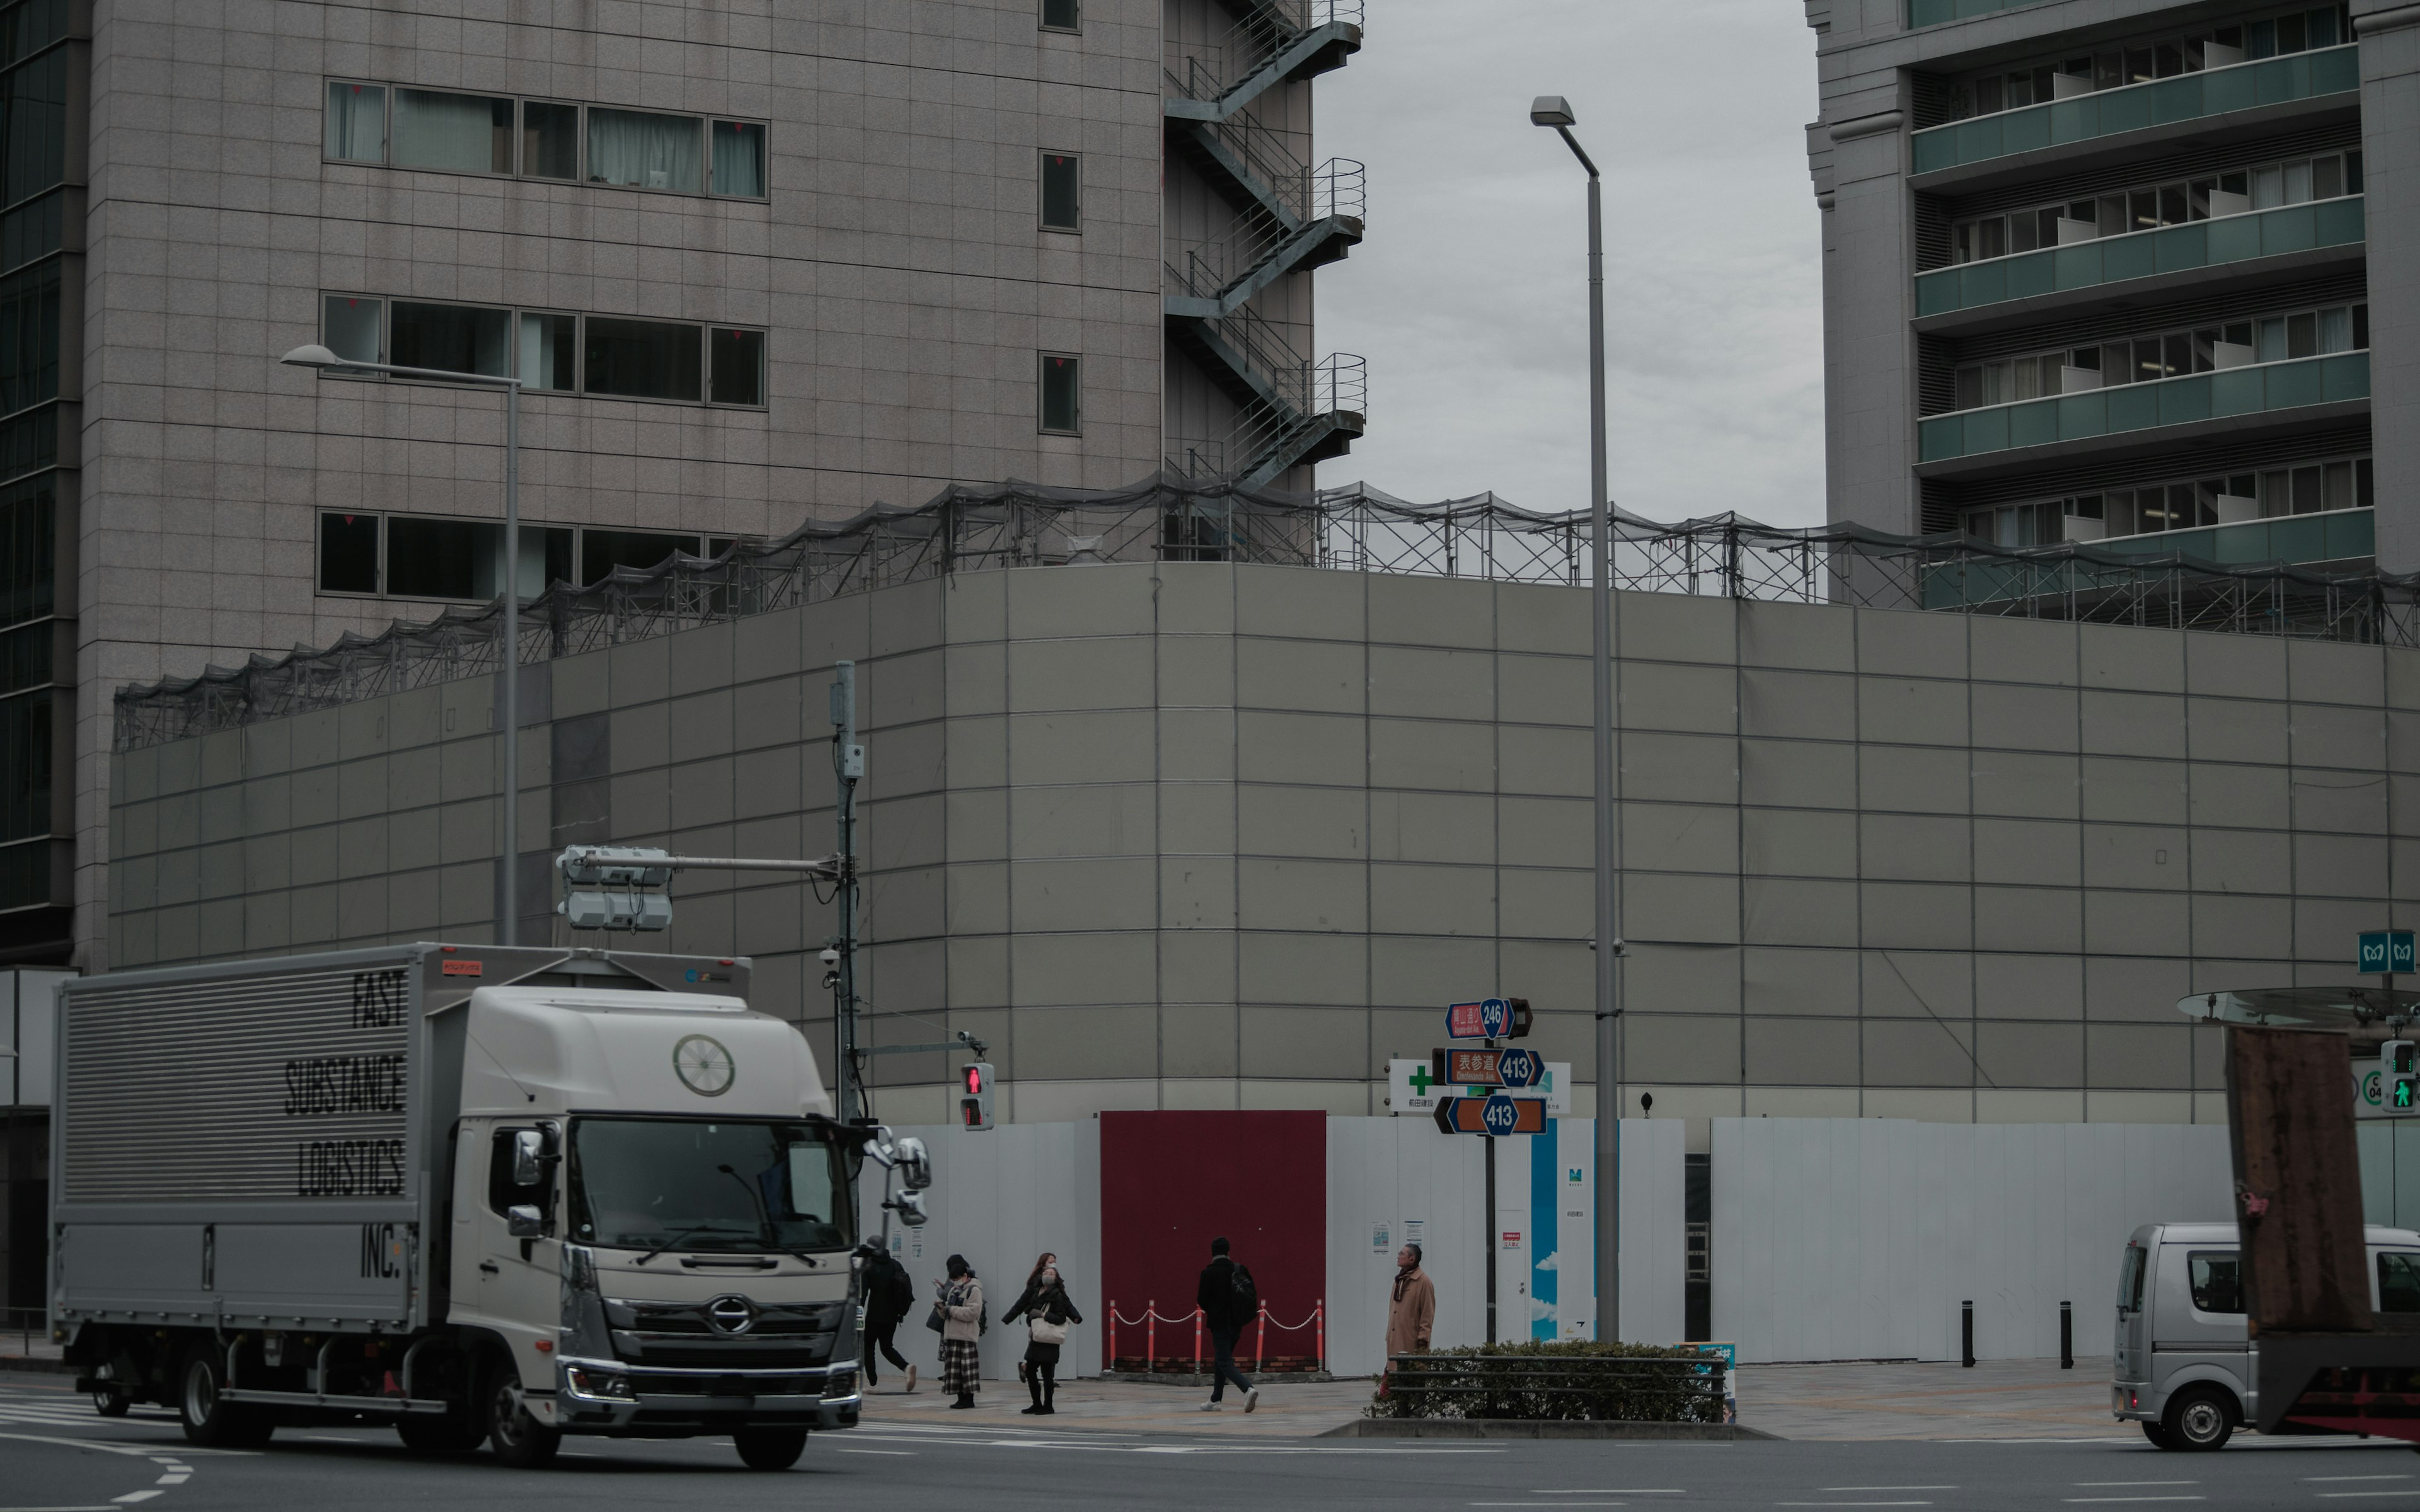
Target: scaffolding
[{"x": 1169, "y": 518}]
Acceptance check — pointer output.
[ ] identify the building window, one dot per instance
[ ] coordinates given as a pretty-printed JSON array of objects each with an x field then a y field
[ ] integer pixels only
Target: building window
[
  {"x": 28, "y": 550},
  {"x": 2118, "y": 68},
  {"x": 457, "y": 133},
  {"x": 356, "y": 122},
  {"x": 739, "y": 365},
  {"x": 1063, "y": 15},
  {"x": 550, "y": 140},
  {"x": 632, "y": 149},
  {"x": 29, "y": 337},
  {"x": 603, "y": 356},
  {"x": 640, "y": 360},
  {"x": 601, "y": 551},
  {"x": 348, "y": 553},
  {"x": 2150, "y": 207},
  {"x": 1062, "y": 393},
  {"x": 739, "y": 160},
  {"x": 34, "y": 138},
  {"x": 1062, "y": 191},
  {"x": 2193, "y": 504},
  {"x": 2148, "y": 358},
  {"x": 24, "y": 766}
]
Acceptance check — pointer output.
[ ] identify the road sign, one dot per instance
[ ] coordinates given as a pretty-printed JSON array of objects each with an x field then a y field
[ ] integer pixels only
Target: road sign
[
  {"x": 2384, "y": 953},
  {"x": 1497, "y": 1116},
  {"x": 1488, "y": 1067},
  {"x": 1494, "y": 1018},
  {"x": 1411, "y": 1086}
]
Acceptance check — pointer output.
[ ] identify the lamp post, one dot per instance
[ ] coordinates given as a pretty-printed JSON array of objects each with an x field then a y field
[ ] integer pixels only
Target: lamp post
[
  {"x": 508, "y": 652},
  {"x": 1555, "y": 112}
]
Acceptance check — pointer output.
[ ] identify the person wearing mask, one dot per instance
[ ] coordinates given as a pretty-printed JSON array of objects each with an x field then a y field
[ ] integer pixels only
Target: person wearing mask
[
  {"x": 1048, "y": 1310},
  {"x": 889, "y": 1295},
  {"x": 1411, "y": 1312},
  {"x": 1228, "y": 1300},
  {"x": 960, "y": 1309}
]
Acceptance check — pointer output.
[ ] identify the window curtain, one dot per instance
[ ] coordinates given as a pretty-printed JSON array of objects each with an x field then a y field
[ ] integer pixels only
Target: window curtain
[
  {"x": 455, "y": 132},
  {"x": 357, "y": 122},
  {"x": 644, "y": 151},
  {"x": 739, "y": 160}
]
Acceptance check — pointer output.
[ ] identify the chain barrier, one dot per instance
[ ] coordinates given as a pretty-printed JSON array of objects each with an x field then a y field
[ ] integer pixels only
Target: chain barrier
[{"x": 1152, "y": 1318}]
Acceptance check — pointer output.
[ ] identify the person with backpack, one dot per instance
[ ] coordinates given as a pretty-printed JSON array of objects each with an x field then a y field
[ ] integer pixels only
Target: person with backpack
[
  {"x": 889, "y": 1295},
  {"x": 959, "y": 1314},
  {"x": 1048, "y": 1310},
  {"x": 1228, "y": 1300}
]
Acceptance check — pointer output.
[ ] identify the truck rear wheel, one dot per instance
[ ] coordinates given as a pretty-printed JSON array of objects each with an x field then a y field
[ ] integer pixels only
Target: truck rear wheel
[
  {"x": 769, "y": 1448},
  {"x": 209, "y": 1419},
  {"x": 2199, "y": 1417},
  {"x": 519, "y": 1439},
  {"x": 454, "y": 1434}
]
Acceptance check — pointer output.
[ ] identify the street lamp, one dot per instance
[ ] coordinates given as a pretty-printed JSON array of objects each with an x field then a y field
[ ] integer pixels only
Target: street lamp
[
  {"x": 1555, "y": 112},
  {"x": 508, "y": 655}
]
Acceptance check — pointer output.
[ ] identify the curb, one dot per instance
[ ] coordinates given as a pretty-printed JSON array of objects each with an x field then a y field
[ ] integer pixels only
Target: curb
[{"x": 1482, "y": 1427}]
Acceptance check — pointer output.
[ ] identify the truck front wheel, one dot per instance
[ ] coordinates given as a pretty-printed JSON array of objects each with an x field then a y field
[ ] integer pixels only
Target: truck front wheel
[
  {"x": 2199, "y": 1417},
  {"x": 769, "y": 1448},
  {"x": 209, "y": 1419},
  {"x": 519, "y": 1439}
]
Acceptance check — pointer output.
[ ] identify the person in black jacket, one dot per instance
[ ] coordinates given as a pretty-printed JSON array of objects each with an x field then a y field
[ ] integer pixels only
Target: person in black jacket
[
  {"x": 888, "y": 1295},
  {"x": 1048, "y": 1310},
  {"x": 1228, "y": 1300}
]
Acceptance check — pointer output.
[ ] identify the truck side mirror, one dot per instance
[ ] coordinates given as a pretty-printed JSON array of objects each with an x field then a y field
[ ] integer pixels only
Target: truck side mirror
[
  {"x": 523, "y": 1221},
  {"x": 910, "y": 1209},
  {"x": 915, "y": 1163},
  {"x": 529, "y": 1156}
]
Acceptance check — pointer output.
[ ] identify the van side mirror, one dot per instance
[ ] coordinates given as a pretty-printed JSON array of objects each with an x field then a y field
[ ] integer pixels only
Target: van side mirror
[
  {"x": 915, "y": 1163},
  {"x": 529, "y": 1157},
  {"x": 523, "y": 1221}
]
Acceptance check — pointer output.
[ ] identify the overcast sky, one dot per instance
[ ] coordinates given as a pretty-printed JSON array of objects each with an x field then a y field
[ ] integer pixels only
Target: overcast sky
[{"x": 1469, "y": 296}]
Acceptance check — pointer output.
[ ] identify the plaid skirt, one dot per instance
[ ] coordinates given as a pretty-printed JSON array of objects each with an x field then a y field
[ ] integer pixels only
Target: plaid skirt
[{"x": 961, "y": 1367}]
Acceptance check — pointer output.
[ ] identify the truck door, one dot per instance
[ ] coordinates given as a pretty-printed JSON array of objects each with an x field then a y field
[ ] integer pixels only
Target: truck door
[
  {"x": 2197, "y": 1316},
  {"x": 517, "y": 1279}
]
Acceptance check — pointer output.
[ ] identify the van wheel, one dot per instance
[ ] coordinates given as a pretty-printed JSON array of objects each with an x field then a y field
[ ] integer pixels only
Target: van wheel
[
  {"x": 209, "y": 1418},
  {"x": 519, "y": 1439},
  {"x": 2159, "y": 1436},
  {"x": 769, "y": 1448},
  {"x": 2200, "y": 1418}
]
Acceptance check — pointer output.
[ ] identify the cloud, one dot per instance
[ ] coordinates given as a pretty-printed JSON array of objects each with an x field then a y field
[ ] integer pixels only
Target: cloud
[
  {"x": 1469, "y": 295},
  {"x": 1548, "y": 1261}
]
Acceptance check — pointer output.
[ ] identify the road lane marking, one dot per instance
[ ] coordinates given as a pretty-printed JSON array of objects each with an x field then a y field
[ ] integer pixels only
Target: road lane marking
[
  {"x": 904, "y": 1454},
  {"x": 2078, "y": 1501},
  {"x": 1549, "y": 1503},
  {"x": 138, "y": 1451},
  {"x": 2337, "y": 1496},
  {"x": 1852, "y": 1503},
  {"x": 2134, "y": 1482},
  {"x": 174, "y": 1477},
  {"x": 1615, "y": 1491},
  {"x": 134, "y": 1496},
  {"x": 1885, "y": 1487},
  {"x": 2326, "y": 1479}
]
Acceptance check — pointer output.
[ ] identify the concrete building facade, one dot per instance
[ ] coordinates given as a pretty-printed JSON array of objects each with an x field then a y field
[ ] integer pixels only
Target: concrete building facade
[
  {"x": 2100, "y": 271},
  {"x": 1212, "y": 835},
  {"x": 752, "y": 263}
]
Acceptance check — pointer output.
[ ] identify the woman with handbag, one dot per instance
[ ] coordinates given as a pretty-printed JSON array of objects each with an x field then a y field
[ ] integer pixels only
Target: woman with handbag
[
  {"x": 1048, "y": 1310},
  {"x": 958, "y": 1316}
]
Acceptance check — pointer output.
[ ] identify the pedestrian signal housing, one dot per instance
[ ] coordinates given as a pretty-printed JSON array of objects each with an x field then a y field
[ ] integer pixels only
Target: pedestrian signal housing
[{"x": 974, "y": 1095}]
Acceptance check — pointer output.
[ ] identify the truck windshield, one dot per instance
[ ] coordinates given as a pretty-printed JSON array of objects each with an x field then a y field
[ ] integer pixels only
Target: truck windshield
[{"x": 650, "y": 1184}]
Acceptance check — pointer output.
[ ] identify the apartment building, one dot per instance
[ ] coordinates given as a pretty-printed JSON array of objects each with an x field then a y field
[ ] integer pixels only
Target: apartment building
[
  {"x": 751, "y": 262},
  {"x": 2102, "y": 271}
]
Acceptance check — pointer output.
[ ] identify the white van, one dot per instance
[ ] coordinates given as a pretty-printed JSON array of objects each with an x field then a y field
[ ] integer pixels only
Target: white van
[{"x": 2185, "y": 1365}]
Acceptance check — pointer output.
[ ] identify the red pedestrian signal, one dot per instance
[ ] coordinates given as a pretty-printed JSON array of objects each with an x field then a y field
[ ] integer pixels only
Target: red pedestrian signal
[{"x": 974, "y": 1095}]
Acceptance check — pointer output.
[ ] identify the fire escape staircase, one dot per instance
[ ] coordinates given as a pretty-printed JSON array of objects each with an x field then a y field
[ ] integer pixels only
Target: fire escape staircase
[{"x": 1291, "y": 218}]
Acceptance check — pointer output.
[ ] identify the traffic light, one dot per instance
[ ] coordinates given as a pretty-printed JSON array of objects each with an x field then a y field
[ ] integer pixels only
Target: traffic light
[
  {"x": 615, "y": 886},
  {"x": 2401, "y": 1060},
  {"x": 974, "y": 1095}
]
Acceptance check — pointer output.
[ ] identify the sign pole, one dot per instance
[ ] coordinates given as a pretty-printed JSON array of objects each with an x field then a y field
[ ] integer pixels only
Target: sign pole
[{"x": 1491, "y": 1238}]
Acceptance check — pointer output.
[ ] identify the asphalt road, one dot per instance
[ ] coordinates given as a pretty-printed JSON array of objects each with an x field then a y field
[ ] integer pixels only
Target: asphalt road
[{"x": 56, "y": 1455}]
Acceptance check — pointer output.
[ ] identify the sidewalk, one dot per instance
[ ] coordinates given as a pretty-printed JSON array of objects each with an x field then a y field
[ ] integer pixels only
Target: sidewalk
[{"x": 1289, "y": 1409}]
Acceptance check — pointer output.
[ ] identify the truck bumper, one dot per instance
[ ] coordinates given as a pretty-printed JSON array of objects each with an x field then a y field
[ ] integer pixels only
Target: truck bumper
[{"x": 599, "y": 1397}]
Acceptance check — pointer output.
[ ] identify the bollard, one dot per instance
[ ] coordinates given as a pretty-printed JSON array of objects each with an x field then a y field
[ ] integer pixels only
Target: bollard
[
  {"x": 1319, "y": 1324},
  {"x": 2066, "y": 1336},
  {"x": 1967, "y": 1331},
  {"x": 1197, "y": 1341},
  {"x": 1151, "y": 1336},
  {"x": 1109, "y": 1340},
  {"x": 1261, "y": 1340}
]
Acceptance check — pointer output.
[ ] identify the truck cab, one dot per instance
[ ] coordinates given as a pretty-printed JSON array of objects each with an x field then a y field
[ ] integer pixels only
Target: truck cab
[{"x": 2185, "y": 1363}]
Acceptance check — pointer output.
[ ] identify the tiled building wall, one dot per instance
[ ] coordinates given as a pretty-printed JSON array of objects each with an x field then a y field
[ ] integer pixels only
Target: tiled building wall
[
  {"x": 897, "y": 266},
  {"x": 1210, "y": 836}
]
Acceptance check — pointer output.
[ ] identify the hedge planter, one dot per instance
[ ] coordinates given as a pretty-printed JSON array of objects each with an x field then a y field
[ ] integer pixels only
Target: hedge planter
[{"x": 1554, "y": 1382}]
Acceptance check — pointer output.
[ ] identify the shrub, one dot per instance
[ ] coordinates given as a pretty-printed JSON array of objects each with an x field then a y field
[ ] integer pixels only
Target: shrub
[{"x": 1579, "y": 1380}]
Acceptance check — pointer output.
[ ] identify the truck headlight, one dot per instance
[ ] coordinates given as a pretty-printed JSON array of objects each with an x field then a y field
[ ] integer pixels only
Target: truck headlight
[
  {"x": 601, "y": 1384},
  {"x": 841, "y": 1382}
]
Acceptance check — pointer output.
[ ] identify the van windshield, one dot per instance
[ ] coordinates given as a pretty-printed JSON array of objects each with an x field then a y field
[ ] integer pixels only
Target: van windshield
[
  {"x": 650, "y": 1184},
  {"x": 2130, "y": 1280}
]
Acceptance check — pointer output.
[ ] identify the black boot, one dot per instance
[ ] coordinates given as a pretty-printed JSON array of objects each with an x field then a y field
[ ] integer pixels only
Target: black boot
[
  {"x": 1049, "y": 1391},
  {"x": 966, "y": 1398},
  {"x": 1033, "y": 1386}
]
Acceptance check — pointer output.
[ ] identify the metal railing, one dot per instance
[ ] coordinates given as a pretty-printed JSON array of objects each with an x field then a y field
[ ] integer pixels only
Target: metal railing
[
  {"x": 1206, "y": 70},
  {"x": 1208, "y": 270},
  {"x": 1172, "y": 517}
]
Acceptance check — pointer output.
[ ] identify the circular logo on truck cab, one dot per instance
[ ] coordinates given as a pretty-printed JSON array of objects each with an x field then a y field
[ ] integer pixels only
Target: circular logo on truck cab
[{"x": 705, "y": 1067}]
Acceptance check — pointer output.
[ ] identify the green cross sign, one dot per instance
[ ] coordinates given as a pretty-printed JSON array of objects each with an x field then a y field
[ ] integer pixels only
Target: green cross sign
[{"x": 1421, "y": 1081}]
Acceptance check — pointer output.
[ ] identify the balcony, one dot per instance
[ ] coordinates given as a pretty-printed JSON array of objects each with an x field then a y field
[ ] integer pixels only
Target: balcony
[
  {"x": 2286, "y": 241},
  {"x": 2007, "y": 436},
  {"x": 2107, "y": 571},
  {"x": 1971, "y": 152}
]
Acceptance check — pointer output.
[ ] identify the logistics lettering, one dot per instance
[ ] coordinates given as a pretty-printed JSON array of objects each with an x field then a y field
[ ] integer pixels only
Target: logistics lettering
[
  {"x": 343, "y": 1083},
  {"x": 349, "y": 1168}
]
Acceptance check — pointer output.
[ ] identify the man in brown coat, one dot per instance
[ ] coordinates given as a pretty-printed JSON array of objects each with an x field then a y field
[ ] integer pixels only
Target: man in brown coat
[{"x": 1412, "y": 1311}]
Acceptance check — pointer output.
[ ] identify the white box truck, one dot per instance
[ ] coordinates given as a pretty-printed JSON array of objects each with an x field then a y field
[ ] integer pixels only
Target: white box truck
[{"x": 484, "y": 1193}]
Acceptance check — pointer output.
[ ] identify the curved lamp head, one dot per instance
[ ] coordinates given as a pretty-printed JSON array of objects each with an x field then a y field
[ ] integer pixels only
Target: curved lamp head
[
  {"x": 1546, "y": 110},
  {"x": 313, "y": 355}
]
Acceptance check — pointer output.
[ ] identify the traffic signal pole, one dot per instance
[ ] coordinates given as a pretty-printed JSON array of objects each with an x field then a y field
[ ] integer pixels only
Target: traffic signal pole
[{"x": 848, "y": 767}]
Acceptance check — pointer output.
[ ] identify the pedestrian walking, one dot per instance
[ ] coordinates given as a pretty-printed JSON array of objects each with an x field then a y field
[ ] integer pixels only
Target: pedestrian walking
[
  {"x": 1411, "y": 1312},
  {"x": 1228, "y": 1300},
  {"x": 888, "y": 1295},
  {"x": 1048, "y": 1310},
  {"x": 958, "y": 1313}
]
